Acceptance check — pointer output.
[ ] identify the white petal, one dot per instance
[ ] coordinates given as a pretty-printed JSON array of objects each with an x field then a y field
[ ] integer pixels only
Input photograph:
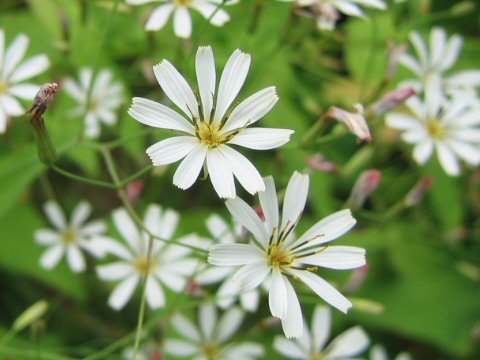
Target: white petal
[
  {"x": 11, "y": 106},
  {"x": 114, "y": 271},
  {"x": 220, "y": 229},
  {"x": 207, "y": 318},
  {"x": 249, "y": 276},
  {"x": 423, "y": 151},
  {"x": 159, "y": 17},
  {"x": 246, "y": 174},
  {"x": 3, "y": 120},
  {"x": 289, "y": 348},
  {"x": 30, "y": 68},
  {"x": 212, "y": 275},
  {"x": 350, "y": 343},
  {"x": 154, "y": 293},
  {"x": 377, "y": 352},
  {"x": 15, "y": 52},
  {"x": 227, "y": 293},
  {"x": 329, "y": 228},
  {"x": 206, "y": 77},
  {"x": 262, "y": 138},
  {"x": 51, "y": 257},
  {"x": 171, "y": 150},
  {"x": 403, "y": 122},
  {"x": 411, "y": 63},
  {"x": 323, "y": 289},
  {"x": 466, "y": 135},
  {"x": 47, "y": 237},
  {"x": 321, "y": 325},
  {"x": 337, "y": 257},
  {"x": 448, "y": 160},
  {"x": 75, "y": 259},
  {"x": 139, "y": 2},
  {"x": 151, "y": 113},
  {"x": 438, "y": 41},
  {"x": 81, "y": 213},
  {"x": 234, "y": 254},
  {"x": 451, "y": 53},
  {"x": 467, "y": 152},
  {"x": 188, "y": 170},
  {"x": 252, "y": 109},
  {"x": 269, "y": 204},
  {"x": 250, "y": 300},
  {"x": 127, "y": 228},
  {"x": 186, "y": 328},
  {"x": 277, "y": 297},
  {"x": 349, "y": 8},
  {"x": 55, "y": 214},
  {"x": 24, "y": 91},
  {"x": 169, "y": 224},
  {"x": 433, "y": 95},
  {"x": 182, "y": 23},
  {"x": 465, "y": 78},
  {"x": 109, "y": 246},
  {"x": 246, "y": 216},
  {"x": 293, "y": 323},
  {"x": 123, "y": 292},
  {"x": 2, "y": 48},
  {"x": 180, "y": 348},
  {"x": 93, "y": 228},
  {"x": 74, "y": 90},
  {"x": 295, "y": 198},
  {"x": 176, "y": 88},
  {"x": 245, "y": 351},
  {"x": 420, "y": 47},
  {"x": 468, "y": 118},
  {"x": 219, "y": 17},
  {"x": 231, "y": 82},
  {"x": 221, "y": 174},
  {"x": 173, "y": 281},
  {"x": 229, "y": 324}
]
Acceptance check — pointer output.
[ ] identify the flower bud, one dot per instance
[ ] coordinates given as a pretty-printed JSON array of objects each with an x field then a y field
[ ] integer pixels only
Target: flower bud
[
  {"x": 366, "y": 183},
  {"x": 417, "y": 193},
  {"x": 319, "y": 162},
  {"x": 29, "y": 316},
  {"x": 354, "y": 122},
  {"x": 391, "y": 100}
]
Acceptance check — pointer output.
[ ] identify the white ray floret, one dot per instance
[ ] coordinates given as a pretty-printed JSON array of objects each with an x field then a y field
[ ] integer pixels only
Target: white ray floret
[
  {"x": 98, "y": 104},
  {"x": 210, "y": 340},
  {"x": 313, "y": 343},
  {"x": 169, "y": 264},
  {"x": 13, "y": 73},
  {"x": 69, "y": 237},
  {"x": 378, "y": 352},
  {"x": 275, "y": 256},
  {"x": 210, "y": 125},
  {"x": 212, "y": 10}
]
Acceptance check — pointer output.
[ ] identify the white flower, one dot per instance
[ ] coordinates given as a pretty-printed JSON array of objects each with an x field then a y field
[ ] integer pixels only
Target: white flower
[
  {"x": 209, "y": 126},
  {"x": 209, "y": 341},
  {"x": 435, "y": 60},
  {"x": 450, "y": 127},
  {"x": 229, "y": 291},
  {"x": 168, "y": 265},
  {"x": 327, "y": 12},
  {"x": 105, "y": 97},
  {"x": 311, "y": 345},
  {"x": 378, "y": 353},
  {"x": 275, "y": 255},
  {"x": 69, "y": 238},
  {"x": 182, "y": 21},
  {"x": 13, "y": 72}
]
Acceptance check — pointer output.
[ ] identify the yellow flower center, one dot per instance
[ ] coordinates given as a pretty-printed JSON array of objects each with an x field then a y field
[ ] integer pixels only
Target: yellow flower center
[
  {"x": 436, "y": 129},
  {"x": 210, "y": 135},
  {"x": 211, "y": 351},
  {"x": 317, "y": 357},
  {"x": 277, "y": 257},
  {"x": 143, "y": 266},
  {"x": 3, "y": 87},
  {"x": 185, "y": 3},
  {"x": 69, "y": 236}
]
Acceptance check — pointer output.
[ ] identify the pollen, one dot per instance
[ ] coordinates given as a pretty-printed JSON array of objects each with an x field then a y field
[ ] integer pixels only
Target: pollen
[
  {"x": 69, "y": 236},
  {"x": 210, "y": 135},
  {"x": 143, "y": 265},
  {"x": 436, "y": 129},
  {"x": 3, "y": 87},
  {"x": 211, "y": 351},
  {"x": 183, "y": 2},
  {"x": 277, "y": 257},
  {"x": 317, "y": 357}
]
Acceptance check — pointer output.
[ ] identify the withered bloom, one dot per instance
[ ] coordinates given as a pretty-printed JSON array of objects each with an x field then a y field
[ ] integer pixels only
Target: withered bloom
[{"x": 43, "y": 99}]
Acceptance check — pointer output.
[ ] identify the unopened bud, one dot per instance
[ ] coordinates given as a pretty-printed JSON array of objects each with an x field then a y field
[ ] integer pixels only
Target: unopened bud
[
  {"x": 354, "y": 122},
  {"x": 417, "y": 193},
  {"x": 391, "y": 100},
  {"x": 43, "y": 99},
  {"x": 320, "y": 163},
  {"x": 366, "y": 183},
  {"x": 356, "y": 280},
  {"x": 133, "y": 191},
  {"x": 29, "y": 316}
]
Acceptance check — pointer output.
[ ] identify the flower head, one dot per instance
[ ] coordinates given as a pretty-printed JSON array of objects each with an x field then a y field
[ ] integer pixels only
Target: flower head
[
  {"x": 275, "y": 256},
  {"x": 182, "y": 22},
  {"x": 13, "y": 72},
  {"x": 449, "y": 127},
  {"x": 311, "y": 346},
  {"x": 210, "y": 340},
  {"x": 210, "y": 124},
  {"x": 69, "y": 238},
  {"x": 98, "y": 104},
  {"x": 378, "y": 353},
  {"x": 168, "y": 263}
]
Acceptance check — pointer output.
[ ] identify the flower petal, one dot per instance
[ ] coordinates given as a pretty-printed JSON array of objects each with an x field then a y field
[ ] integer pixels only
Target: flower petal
[
  {"x": 24, "y": 91},
  {"x": 15, "y": 52},
  {"x": 293, "y": 323},
  {"x": 159, "y": 17},
  {"x": 185, "y": 327},
  {"x": 262, "y": 138},
  {"x": 448, "y": 160},
  {"x": 348, "y": 344},
  {"x": 228, "y": 325},
  {"x": 154, "y": 293},
  {"x": 212, "y": 13},
  {"x": 81, "y": 213},
  {"x": 114, "y": 271},
  {"x": 269, "y": 204},
  {"x": 51, "y": 257},
  {"x": 206, "y": 77},
  {"x": 127, "y": 228},
  {"x": 171, "y": 150},
  {"x": 30, "y": 68},
  {"x": 151, "y": 113},
  {"x": 55, "y": 214},
  {"x": 207, "y": 318},
  {"x": 337, "y": 257},
  {"x": 249, "y": 276},
  {"x": 321, "y": 327},
  {"x": 123, "y": 292},
  {"x": 295, "y": 198},
  {"x": 75, "y": 259},
  {"x": 180, "y": 348},
  {"x": 234, "y": 254},
  {"x": 47, "y": 237},
  {"x": 182, "y": 23},
  {"x": 451, "y": 53},
  {"x": 423, "y": 151},
  {"x": 188, "y": 170},
  {"x": 220, "y": 173},
  {"x": 289, "y": 348},
  {"x": 277, "y": 297}
]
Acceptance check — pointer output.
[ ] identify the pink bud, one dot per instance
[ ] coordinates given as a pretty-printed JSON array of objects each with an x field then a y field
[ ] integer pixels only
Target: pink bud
[
  {"x": 366, "y": 183},
  {"x": 133, "y": 190},
  {"x": 320, "y": 163},
  {"x": 157, "y": 355},
  {"x": 417, "y": 193},
  {"x": 392, "y": 100},
  {"x": 354, "y": 122},
  {"x": 356, "y": 280}
]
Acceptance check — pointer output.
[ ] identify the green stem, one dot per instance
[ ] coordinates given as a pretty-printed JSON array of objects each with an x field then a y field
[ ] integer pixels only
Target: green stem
[
  {"x": 29, "y": 354},
  {"x": 314, "y": 132},
  {"x": 135, "y": 176},
  {"x": 82, "y": 178}
]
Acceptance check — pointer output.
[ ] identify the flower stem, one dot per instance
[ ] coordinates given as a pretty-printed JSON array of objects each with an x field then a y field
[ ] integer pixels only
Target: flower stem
[
  {"x": 82, "y": 178},
  {"x": 314, "y": 132}
]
